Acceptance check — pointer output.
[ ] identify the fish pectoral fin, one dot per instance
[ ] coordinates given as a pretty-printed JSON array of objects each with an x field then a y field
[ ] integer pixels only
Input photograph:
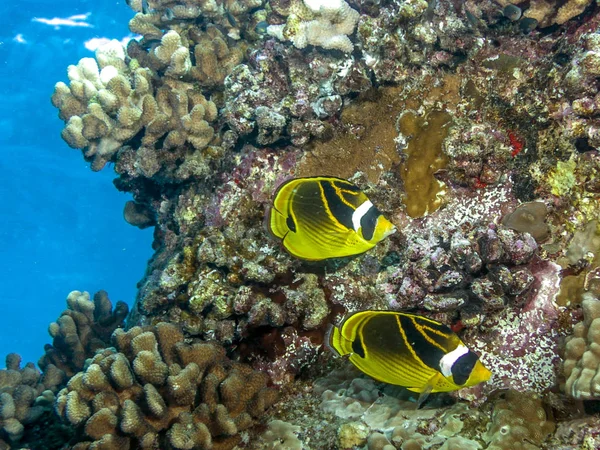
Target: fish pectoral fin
[
  {"x": 423, "y": 395},
  {"x": 427, "y": 389}
]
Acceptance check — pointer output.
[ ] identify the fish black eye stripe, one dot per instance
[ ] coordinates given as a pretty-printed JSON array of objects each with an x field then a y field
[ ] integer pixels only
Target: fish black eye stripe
[{"x": 368, "y": 223}]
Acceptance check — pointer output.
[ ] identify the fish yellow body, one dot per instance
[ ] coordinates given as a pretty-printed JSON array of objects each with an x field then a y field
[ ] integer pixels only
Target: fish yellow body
[
  {"x": 324, "y": 217},
  {"x": 407, "y": 350}
]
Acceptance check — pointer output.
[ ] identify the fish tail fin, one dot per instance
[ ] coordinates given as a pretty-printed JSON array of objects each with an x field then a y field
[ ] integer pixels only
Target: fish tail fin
[
  {"x": 338, "y": 344},
  {"x": 276, "y": 223}
]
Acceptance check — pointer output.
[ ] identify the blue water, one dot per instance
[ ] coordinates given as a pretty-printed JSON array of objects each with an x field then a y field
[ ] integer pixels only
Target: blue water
[{"x": 61, "y": 226}]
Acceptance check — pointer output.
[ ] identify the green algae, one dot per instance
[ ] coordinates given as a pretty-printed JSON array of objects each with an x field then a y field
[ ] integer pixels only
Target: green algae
[{"x": 562, "y": 178}]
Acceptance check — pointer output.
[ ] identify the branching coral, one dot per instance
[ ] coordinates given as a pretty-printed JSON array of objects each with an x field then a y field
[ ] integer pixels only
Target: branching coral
[
  {"x": 25, "y": 395},
  {"x": 84, "y": 327},
  {"x": 156, "y": 391},
  {"x": 114, "y": 100},
  {"x": 235, "y": 16},
  {"x": 106, "y": 104}
]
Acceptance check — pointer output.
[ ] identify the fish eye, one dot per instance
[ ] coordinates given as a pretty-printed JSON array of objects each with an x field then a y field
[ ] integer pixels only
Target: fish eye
[
  {"x": 463, "y": 369},
  {"x": 290, "y": 223}
]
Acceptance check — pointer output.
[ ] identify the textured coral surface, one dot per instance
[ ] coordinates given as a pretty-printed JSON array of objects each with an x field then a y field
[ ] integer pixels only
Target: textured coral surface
[
  {"x": 155, "y": 391},
  {"x": 472, "y": 125}
]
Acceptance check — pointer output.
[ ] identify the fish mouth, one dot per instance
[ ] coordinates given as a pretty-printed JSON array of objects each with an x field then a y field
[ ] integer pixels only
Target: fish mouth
[{"x": 391, "y": 231}]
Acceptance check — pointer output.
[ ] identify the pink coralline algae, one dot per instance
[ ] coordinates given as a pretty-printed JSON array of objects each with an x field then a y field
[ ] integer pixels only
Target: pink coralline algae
[{"x": 523, "y": 340}]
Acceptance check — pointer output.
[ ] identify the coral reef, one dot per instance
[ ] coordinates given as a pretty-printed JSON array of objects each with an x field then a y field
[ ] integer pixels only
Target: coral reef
[
  {"x": 84, "y": 327},
  {"x": 581, "y": 366},
  {"x": 156, "y": 391},
  {"x": 472, "y": 125},
  {"x": 26, "y": 397},
  {"x": 325, "y": 24},
  {"x": 547, "y": 13}
]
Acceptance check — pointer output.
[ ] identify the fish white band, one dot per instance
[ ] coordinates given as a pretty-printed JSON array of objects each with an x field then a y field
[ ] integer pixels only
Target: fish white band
[
  {"x": 449, "y": 359},
  {"x": 358, "y": 214}
]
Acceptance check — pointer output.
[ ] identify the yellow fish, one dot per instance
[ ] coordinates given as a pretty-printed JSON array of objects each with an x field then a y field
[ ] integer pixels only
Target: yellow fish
[
  {"x": 407, "y": 350},
  {"x": 325, "y": 217}
]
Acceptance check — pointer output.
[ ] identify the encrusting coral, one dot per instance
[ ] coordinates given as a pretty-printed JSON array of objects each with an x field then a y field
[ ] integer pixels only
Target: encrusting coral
[
  {"x": 529, "y": 218},
  {"x": 519, "y": 421},
  {"x": 84, "y": 327},
  {"x": 156, "y": 391},
  {"x": 550, "y": 12}
]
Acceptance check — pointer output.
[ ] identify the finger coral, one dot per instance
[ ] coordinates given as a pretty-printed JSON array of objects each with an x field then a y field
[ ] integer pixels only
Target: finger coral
[
  {"x": 234, "y": 16},
  {"x": 112, "y": 99},
  {"x": 106, "y": 103},
  {"x": 84, "y": 327},
  {"x": 581, "y": 366},
  {"x": 25, "y": 396},
  {"x": 156, "y": 391}
]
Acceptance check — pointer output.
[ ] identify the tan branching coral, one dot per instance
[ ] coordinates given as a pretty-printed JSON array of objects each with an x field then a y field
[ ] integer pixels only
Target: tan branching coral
[
  {"x": 183, "y": 114},
  {"x": 320, "y": 23},
  {"x": 214, "y": 59},
  {"x": 25, "y": 394},
  {"x": 84, "y": 327},
  {"x": 581, "y": 367},
  {"x": 173, "y": 54},
  {"x": 106, "y": 103},
  {"x": 157, "y": 391},
  {"x": 112, "y": 99},
  {"x": 230, "y": 15}
]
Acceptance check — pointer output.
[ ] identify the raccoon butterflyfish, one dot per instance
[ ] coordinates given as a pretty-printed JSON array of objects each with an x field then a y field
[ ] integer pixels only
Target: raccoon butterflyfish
[
  {"x": 407, "y": 350},
  {"x": 324, "y": 217}
]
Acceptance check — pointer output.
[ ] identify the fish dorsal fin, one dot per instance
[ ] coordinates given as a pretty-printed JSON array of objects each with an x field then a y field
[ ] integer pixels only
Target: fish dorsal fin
[{"x": 329, "y": 334}]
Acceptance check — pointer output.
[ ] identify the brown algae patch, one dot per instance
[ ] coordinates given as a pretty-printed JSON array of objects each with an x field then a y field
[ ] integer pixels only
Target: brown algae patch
[
  {"x": 365, "y": 142},
  {"x": 424, "y": 157}
]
